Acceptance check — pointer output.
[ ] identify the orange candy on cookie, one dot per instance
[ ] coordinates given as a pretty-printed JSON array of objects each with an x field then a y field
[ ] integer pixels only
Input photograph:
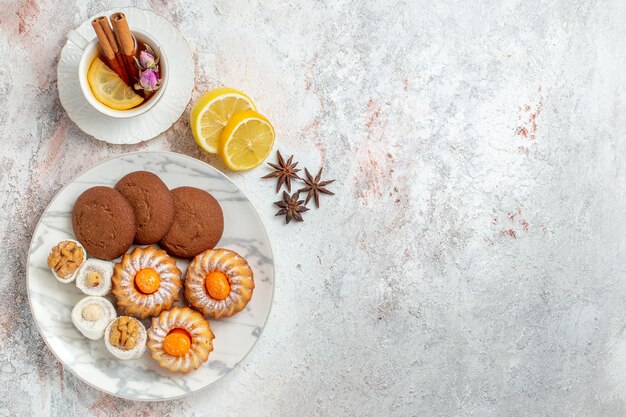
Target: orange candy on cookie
[
  {"x": 147, "y": 280},
  {"x": 217, "y": 285},
  {"x": 177, "y": 342}
]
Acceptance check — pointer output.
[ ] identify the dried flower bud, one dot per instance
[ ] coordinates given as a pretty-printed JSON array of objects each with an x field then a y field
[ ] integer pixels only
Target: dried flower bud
[
  {"x": 149, "y": 81},
  {"x": 147, "y": 60}
]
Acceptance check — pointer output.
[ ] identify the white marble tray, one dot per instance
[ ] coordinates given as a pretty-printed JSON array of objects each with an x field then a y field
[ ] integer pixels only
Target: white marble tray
[{"x": 51, "y": 301}]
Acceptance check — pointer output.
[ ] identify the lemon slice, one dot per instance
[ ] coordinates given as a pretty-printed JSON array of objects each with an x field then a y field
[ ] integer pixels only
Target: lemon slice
[
  {"x": 212, "y": 112},
  {"x": 246, "y": 140},
  {"x": 109, "y": 88}
]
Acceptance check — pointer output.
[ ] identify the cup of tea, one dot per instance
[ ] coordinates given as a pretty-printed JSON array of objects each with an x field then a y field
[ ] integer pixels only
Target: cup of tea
[{"x": 91, "y": 50}]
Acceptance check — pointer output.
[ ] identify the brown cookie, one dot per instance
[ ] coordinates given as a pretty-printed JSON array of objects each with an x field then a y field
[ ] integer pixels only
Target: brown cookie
[
  {"x": 103, "y": 222},
  {"x": 152, "y": 203},
  {"x": 198, "y": 223}
]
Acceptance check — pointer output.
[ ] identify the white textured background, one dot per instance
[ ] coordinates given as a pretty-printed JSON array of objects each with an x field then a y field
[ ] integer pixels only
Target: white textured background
[{"x": 472, "y": 262}]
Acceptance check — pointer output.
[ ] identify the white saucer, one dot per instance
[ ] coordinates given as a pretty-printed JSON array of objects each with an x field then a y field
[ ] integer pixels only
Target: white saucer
[{"x": 156, "y": 120}]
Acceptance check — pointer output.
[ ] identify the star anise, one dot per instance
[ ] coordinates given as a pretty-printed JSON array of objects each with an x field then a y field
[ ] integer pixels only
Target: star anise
[
  {"x": 314, "y": 187},
  {"x": 291, "y": 207},
  {"x": 284, "y": 171}
]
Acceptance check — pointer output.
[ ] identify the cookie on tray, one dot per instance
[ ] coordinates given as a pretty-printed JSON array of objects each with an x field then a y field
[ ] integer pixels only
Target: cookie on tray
[
  {"x": 198, "y": 223},
  {"x": 103, "y": 222},
  {"x": 152, "y": 203}
]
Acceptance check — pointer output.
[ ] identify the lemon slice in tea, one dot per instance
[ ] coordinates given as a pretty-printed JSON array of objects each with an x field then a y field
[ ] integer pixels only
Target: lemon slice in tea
[{"x": 109, "y": 88}]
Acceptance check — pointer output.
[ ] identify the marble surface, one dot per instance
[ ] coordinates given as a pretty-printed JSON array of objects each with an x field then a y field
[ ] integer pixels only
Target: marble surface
[{"x": 471, "y": 263}]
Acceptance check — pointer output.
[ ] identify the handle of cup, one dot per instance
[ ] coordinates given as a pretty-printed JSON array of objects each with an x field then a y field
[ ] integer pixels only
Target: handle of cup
[{"x": 77, "y": 39}]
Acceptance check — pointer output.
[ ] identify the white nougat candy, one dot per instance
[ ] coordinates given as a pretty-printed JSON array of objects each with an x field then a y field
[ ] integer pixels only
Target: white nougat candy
[
  {"x": 92, "y": 315},
  {"x": 72, "y": 277},
  {"x": 94, "y": 277},
  {"x": 133, "y": 352}
]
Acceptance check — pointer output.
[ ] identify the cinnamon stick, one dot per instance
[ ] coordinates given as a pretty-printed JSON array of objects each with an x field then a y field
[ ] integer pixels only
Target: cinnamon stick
[
  {"x": 104, "y": 22},
  {"x": 125, "y": 40},
  {"x": 107, "y": 50}
]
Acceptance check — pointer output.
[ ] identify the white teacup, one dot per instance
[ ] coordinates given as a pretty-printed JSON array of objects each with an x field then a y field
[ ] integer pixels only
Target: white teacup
[{"x": 91, "y": 50}]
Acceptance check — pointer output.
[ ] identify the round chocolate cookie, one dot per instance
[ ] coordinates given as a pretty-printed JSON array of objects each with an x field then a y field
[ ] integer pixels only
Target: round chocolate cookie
[
  {"x": 152, "y": 203},
  {"x": 103, "y": 222},
  {"x": 198, "y": 223}
]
